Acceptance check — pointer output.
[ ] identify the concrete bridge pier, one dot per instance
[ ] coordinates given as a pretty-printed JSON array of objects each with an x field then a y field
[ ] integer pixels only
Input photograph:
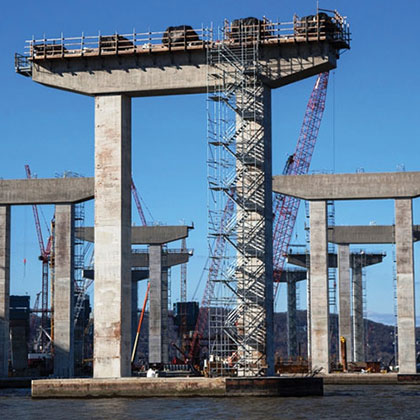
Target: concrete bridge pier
[
  {"x": 158, "y": 313},
  {"x": 112, "y": 306},
  {"x": 292, "y": 346},
  {"x": 320, "y": 338},
  {"x": 344, "y": 314},
  {"x": 157, "y": 261},
  {"x": 401, "y": 187},
  {"x": 63, "y": 297},
  {"x": 357, "y": 311},
  {"x": 405, "y": 286},
  {"x": 4, "y": 288},
  {"x": 291, "y": 277}
]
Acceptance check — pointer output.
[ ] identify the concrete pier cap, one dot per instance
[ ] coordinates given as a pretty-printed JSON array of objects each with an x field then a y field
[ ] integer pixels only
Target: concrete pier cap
[
  {"x": 16, "y": 192},
  {"x": 360, "y": 186},
  {"x": 138, "y": 65},
  {"x": 143, "y": 235}
]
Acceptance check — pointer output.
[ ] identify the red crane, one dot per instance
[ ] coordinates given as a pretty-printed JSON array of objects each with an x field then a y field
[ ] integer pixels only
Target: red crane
[
  {"x": 44, "y": 258},
  {"x": 286, "y": 207},
  {"x": 138, "y": 203}
]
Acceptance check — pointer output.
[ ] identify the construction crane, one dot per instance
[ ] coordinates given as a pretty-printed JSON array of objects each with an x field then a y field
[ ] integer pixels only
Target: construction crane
[
  {"x": 286, "y": 207},
  {"x": 44, "y": 258},
  {"x": 138, "y": 203}
]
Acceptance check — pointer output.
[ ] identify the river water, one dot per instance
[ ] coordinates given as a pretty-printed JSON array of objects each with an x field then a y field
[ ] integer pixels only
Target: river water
[{"x": 339, "y": 402}]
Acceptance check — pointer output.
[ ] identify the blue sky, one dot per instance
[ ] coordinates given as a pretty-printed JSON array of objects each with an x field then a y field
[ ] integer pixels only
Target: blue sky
[{"x": 373, "y": 103}]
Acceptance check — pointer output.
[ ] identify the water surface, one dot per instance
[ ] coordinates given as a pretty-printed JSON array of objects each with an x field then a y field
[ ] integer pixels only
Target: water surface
[{"x": 339, "y": 402}]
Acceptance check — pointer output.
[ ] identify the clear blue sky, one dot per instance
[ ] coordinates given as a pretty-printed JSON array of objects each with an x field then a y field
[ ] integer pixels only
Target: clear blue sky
[{"x": 376, "y": 94}]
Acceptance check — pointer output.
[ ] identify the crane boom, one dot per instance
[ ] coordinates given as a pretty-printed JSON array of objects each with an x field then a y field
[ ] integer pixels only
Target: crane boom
[
  {"x": 44, "y": 257},
  {"x": 286, "y": 207},
  {"x": 36, "y": 217},
  {"x": 138, "y": 203}
]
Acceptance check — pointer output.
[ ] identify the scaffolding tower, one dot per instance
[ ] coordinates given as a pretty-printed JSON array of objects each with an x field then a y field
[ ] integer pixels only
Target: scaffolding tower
[
  {"x": 308, "y": 276},
  {"x": 79, "y": 261},
  {"x": 332, "y": 289},
  {"x": 239, "y": 167}
]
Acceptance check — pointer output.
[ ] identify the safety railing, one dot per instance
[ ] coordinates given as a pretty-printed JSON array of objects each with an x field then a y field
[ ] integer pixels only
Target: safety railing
[
  {"x": 189, "y": 251},
  {"x": 23, "y": 65},
  {"x": 172, "y": 38},
  {"x": 331, "y": 27}
]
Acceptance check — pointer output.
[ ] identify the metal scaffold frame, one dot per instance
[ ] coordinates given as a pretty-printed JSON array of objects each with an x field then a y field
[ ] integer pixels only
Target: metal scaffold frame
[
  {"x": 238, "y": 168},
  {"x": 332, "y": 289}
]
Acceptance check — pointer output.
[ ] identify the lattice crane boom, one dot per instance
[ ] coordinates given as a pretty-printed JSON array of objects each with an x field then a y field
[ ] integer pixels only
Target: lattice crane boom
[
  {"x": 286, "y": 207},
  {"x": 36, "y": 217},
  {"x": 138, "y": 203},
  {"x": 44, "y": 257}
]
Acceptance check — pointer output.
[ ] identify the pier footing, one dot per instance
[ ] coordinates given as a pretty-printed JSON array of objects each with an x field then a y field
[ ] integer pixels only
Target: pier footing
[{"x": 177, "y": 387}]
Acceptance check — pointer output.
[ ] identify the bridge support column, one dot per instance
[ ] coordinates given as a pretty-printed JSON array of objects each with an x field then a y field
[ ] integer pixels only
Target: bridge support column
[
  {"x": 358, "y": 322},
  {"x": 165, "y": 316},
  {"x": 134, "y": 311},
  {"x": 320, "y": 341},
  {"x": 155, "y": 300},
  {"x": 63, "y": 298},
  {"x": 405, "y": 286},
  {"x": 292, "y": 349},
  {"x": 4, "y": 288},
  {"x": 112, "y": 308},
  {"x": 344, "y": 315}
]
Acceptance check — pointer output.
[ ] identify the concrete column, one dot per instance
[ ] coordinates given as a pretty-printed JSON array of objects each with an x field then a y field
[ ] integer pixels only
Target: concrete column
[
  {"x": 358, "y": 322},
  {"x": 254, "y": 322},
  {"x": 344, "y": 299},
  {"x": 112, "y": 304},
  {"x": 155, "y": 304},
  {"x": 308, "y": 316},
  {"x": 268, "y": 234},
  {"x": 63, "y": 298},
  {"x": 405, "y": 286},
  {"x": 320, "y": 357},
  {"x": 165, "y": 315},
  {"x": 134, "y": 311},
  {"x": 291, "y": 319},
  {"x": 4, "y": 288}
]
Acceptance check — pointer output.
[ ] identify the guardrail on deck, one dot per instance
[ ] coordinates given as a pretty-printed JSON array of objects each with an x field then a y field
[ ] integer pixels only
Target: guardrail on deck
[{"x": 317, "y": 27}]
